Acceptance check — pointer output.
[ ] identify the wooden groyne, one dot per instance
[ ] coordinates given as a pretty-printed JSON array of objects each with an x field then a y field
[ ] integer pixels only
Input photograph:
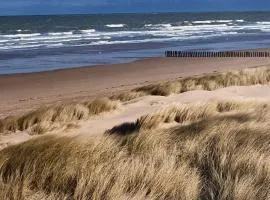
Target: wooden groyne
[{"x": 209, "y": 54}]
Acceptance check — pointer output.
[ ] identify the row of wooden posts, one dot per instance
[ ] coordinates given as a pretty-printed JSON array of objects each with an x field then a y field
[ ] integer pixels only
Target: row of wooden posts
[{"x": 185, "y": 54}]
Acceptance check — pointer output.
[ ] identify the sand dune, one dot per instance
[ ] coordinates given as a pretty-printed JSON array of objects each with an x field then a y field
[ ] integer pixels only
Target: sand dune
[
  {"x": 215, "y": 150},
  {"x": 197, "y": 137},
  {"x": 128, "y": 112}
]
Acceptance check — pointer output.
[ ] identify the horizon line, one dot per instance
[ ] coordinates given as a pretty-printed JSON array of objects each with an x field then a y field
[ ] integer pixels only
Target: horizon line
[{"x": 119, "y": 13}]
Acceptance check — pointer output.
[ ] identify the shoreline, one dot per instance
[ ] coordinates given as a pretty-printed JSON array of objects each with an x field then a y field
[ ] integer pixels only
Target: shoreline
[
  {"x": 137, "y": 60},
  {"x": 25, "y": 92}
]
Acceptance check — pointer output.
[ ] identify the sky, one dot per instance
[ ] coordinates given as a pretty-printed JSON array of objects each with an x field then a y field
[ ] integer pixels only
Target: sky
[{"x": 42, "y": 7}]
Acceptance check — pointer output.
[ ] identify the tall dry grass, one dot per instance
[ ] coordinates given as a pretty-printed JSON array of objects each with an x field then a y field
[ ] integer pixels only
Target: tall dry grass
[
  {"x": 44, "y": 119},
  {"x": 184, "y": 113},
  {"x": 245, "y": 77},
  {"x": 214, "y": 150}
]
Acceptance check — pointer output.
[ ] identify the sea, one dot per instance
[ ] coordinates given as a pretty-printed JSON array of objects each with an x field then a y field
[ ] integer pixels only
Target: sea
[{"x": 42, "y": 43}]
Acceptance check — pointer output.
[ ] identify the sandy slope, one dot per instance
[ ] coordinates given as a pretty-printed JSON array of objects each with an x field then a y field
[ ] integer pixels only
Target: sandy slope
[
  {"x": 133, "y": 110},
  {"x": 146, "y": 105}
]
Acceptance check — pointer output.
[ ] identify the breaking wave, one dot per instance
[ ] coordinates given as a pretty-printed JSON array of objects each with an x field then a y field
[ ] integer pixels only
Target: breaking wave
[{"x": 183, "y": 30}]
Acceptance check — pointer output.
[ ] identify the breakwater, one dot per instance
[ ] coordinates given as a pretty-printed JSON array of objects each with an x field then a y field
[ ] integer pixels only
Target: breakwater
[{"x": 185, "y": 54}]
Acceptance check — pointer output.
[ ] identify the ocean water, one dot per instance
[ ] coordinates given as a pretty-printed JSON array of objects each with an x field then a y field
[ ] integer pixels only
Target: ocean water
[{"x": 41, "y": 43}]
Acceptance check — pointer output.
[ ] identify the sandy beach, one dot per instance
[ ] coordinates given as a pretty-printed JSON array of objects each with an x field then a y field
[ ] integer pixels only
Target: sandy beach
[
  {"x": 24, "y": 92},
  {"x": 135, "y": 100},
  {"x": 147, "y": 103}
]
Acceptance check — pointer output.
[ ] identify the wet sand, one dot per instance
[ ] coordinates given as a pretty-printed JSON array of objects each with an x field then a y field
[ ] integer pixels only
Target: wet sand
[{"x": 23, "y": 92}]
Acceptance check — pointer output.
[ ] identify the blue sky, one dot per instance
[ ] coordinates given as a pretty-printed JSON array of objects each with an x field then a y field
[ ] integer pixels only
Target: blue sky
[{"x": 22, "y": 7}]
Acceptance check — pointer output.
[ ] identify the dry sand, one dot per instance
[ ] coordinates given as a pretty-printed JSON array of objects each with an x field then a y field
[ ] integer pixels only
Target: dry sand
[
  {"x": 23, "y": 92},
  {"x": 145, "y": 105},
  {"x": 149, "y": 104}
]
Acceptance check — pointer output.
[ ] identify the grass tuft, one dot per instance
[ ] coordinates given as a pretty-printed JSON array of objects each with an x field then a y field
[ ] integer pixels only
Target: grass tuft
[
  {"x": 245, "y": 77},
  {"x": 43, "y": 119}
]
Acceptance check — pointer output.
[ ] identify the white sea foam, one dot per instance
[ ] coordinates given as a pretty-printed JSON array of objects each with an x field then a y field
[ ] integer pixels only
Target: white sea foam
[
  {"x": 61, "y": 33},
  {"x": 21, "y": 35},
  {"x": 149, "y": 33},
  {"x": 263, "y": 23},
  {"x": 55, "y": 45},
  {"x": 224, "y": 21},
  {"x": 175, "y": 38},
  {"x": 212, "y": 21},
  {"x": 19, "y": 47},
  {"x": 116, "y": 25},
  {"x": 88, "y": 31},
  {"x": 158, "y": 25},
  {"x": 203, "y": 22},
  {"x": 20, "y": 30}
]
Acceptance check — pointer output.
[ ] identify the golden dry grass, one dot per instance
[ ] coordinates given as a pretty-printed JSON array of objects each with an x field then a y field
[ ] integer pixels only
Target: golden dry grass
[
  {"x": 245, "y": 77},
  {"x": 184, "y": 113},
  {"x": 210, "y": 150},
  {"x": 127, "y": 96},
  {"x": 43, "y": 119},
  {"x": 214, "y": 150}
]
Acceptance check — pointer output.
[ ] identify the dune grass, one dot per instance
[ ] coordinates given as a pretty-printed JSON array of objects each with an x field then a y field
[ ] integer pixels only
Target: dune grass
[
  {"x": 214, "y": 150},
  {"x": 245, "y": 77},
  {"x": 206, "y": 150},
  {"x": 184, "y": 113},
  {"x": 43, "y": 119}
]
